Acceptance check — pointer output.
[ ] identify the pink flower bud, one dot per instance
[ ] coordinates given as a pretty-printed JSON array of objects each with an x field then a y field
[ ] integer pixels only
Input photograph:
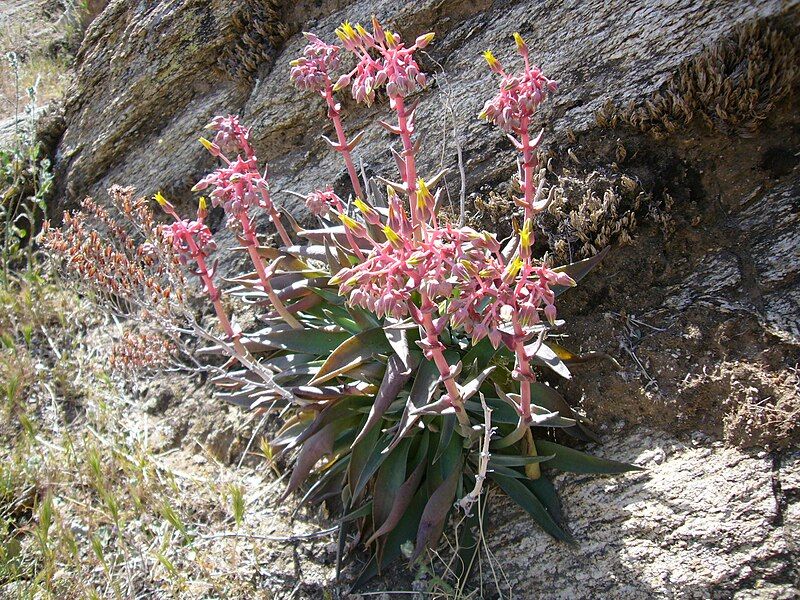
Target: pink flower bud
[{"x": 550, "y": 313}]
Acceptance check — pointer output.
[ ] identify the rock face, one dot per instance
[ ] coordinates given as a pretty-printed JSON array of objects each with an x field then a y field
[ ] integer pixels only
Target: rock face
[
  {"x": 702, "y": 522},
  {"x": 674, "y": 125}
]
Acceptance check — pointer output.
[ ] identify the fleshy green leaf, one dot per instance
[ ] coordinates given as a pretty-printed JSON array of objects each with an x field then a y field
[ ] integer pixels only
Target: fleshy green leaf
[
  {"x": 398, "y": 339},
  {"x": 446, "y": 434},
  {"x": 549, "y": 398},
  {"x": 331, "y": 413},
  {"x": 404, "y": 494},
  {"x": 388, "y": 481},
  {"x": 314, "y": 492},
  {"x": 520, "y": 494},
  {"x": 310, "y": 341},
  {"x": 342, "y": 318},
  {"x": 403, "y": 532},
  {"x": 575, "y": 461},
  {"x": 542, "y": 354},
  {"x": 375, "y": 460},
  {"x": 421, "y": 393},
  {"x": 545, "y": 491},
  {"x": 362, "y": 451},
  {"x": 359, "y": 513},
  {"x": 351, "y": 353},
  {"x": 317, "y": 446},
  {"x": 514, "y": 460},
  {"x": 471, "y": 387},
  {"x": 480, "y": 354}
]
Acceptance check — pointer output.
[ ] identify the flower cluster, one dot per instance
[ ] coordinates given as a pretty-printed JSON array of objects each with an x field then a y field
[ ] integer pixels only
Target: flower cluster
[
  {"x": 394, "y": 67},
  {"x": 458, "y": 271},
  {"x": 311, "y": 72},
  {"x": 520, "y": 93},
  {"x": 231, "y": 137},
  {"x": 504, "y": 303},
  {"x": 320, "y": 202},
  {"x": 385, "y": 282},
  {"x": 129, "y": 269},
  {"x": 135, "y": 352},
  {"x": 190, "y": 238},
  {"x": 236, "y": 187}
]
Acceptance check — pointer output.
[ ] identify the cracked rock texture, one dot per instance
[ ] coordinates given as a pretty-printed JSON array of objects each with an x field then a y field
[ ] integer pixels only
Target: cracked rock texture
[
  {"x": 703, "y": 521},
  {"x": 701, "y": 308}
]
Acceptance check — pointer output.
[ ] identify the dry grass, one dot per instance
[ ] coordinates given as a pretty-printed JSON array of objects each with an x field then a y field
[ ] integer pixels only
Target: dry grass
[
  {"x": 88, "y": 509},
  {"x": 43, "y": 36}
]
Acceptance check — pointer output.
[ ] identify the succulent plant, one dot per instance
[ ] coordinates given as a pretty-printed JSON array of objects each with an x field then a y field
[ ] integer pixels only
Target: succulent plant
[{"x": 400, "y": 350}]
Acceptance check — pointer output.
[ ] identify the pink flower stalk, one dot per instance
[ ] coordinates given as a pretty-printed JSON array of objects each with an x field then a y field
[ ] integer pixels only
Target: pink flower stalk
[
  {"x": 312, "y": 72},
  {"x": 396, "y": 68},
  {"x": 193, "y": 242},
  {"x": 237, "y": 187},
  {"x": 512, "y": 109}
]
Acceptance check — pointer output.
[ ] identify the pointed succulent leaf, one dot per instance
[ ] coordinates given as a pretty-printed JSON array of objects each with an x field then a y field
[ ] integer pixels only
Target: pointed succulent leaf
[
  {"x": 480, "y": 354},
  {"x": 545, "y": 356},
  {"x": 435, "y": 513},
  {"x": 420, "y": 395},
  {"x": 359, "y": 457},
  {"x": 512, "y": 437},
  {"x": 364, "y": 319},
  {"x": 398, "y": 339},
  {"x": 313, "y": 495},
  {"x": 317, "y": 446},
  {"x": 575, "y": 461},
  {"x": 315, "y": 251},
  {"x": 502, "y": 413},
  {"x": 371, "y": 372},
  {"x": 404, "y": 494},
  {"x": 329, "y": 295},
  {"x": 508, "y": 472},
  {"x": 578, "y": 270},
  {"x": 300, "y": 288},
  {"x": 547, "y": 397},
  {"x": 388, "y": 481},
  {"x": 332, "y": 392},
  {"x": 445, "y": 435},
  {"x": 307, "y": 341},
  {"x": 471, "y": 387},
  {"x": 359, "y": 513},
  {"x": 545, "y": 491},
  {"x": 374, "y": 461},
  {"x": 351, "y": 353},
  {"x": 397, "y": 374},
  {"x": 520, "y": 494},
  {"x": 333, "y": 412},
  {"x": 403, "y": 532},
  {"x": 342, "y": 318},
  {"x": 515, "y": 460}
]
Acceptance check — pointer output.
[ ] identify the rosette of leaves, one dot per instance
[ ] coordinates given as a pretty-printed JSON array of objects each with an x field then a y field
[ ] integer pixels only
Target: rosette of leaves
[{"x": 353, "y": 419}]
